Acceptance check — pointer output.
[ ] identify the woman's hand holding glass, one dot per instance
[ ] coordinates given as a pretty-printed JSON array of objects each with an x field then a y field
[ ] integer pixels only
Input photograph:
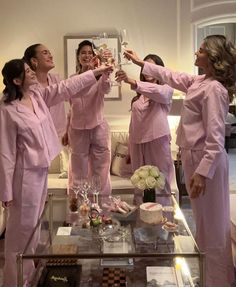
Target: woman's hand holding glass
[
  {"x": 122, "y": 76},
  {"x": 104, "y": 68},
  {"x": 131, "y": 55}
]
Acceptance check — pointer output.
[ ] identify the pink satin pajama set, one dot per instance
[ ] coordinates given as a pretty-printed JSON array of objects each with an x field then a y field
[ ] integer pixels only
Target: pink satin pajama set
[
  {"x": 89, "y": 135},
  {"x": 57, "y": 111},
  {"x": 201, "y": 136},
  {"x": 28, "y": 144},
  {"x": 149, "y": 133}
]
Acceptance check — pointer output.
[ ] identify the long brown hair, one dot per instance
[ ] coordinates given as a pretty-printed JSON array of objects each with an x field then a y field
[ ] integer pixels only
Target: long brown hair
[
  {"x": 11, "y": 70},
  {"x": 158, "y": 61},
  {"x": 222, "y": 59}
]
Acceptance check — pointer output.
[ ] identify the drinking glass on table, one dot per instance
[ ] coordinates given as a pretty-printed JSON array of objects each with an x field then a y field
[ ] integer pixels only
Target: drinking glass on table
[{"x": 96, "y": 188}]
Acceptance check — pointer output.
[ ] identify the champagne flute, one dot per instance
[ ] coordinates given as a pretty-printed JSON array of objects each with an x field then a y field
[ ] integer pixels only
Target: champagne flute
[
  {"x": 86, "y": 186},
  {"x": 96, "y": 187},
  {"x": 100, "y": 43},
  {"x": 115, "y": 60},
  {"x": 124, "y": 41}
]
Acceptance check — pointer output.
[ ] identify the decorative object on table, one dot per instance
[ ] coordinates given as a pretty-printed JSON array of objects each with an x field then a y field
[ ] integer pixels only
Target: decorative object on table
[
  {"x": 170, "y": 226},
  {"x": 96, "y": 188},
  {"x": 73, "y": 204},
  {"x": 95, "y": 218},
  {"x": 125, "y": 216},
  {"x": 117, "y": 205},
  {"x": 148, "y": 178},
  {"x": 149, "y": 195},
  {"x": 60, "y": 276},
  {"x": 113, "y": 277},
  {"x": 151, "y": 213},
  {"x": 64, "y": 248},
  {"x": 161, "y": 276}
]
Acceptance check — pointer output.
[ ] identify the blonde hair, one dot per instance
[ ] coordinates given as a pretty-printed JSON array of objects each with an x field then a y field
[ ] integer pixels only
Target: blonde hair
[{"x": 222, "y": 59}]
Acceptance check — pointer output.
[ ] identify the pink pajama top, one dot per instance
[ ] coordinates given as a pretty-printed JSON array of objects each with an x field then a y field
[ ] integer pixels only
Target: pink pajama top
[
  {"x": 149, "y": 116},
  {"x": 57, "y": 112},
  {"x": 29, "y": 138},
  {"x": 87, "y": 108},
  {"x": 203, "y": 115}
]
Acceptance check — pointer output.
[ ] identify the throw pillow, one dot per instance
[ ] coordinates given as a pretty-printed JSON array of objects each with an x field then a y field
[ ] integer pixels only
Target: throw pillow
[
  {"x": 119, "y": 166},
  {"x": 55, "y": 166}
]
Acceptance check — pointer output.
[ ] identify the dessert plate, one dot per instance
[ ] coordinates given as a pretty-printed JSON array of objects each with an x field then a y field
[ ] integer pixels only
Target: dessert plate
[
  {"x": 121, "y": 216},
  {"x": 170, "y": 226}
]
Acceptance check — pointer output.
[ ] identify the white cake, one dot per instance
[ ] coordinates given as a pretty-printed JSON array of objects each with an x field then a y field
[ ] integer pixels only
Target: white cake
[{"x": 151, "y": 212}]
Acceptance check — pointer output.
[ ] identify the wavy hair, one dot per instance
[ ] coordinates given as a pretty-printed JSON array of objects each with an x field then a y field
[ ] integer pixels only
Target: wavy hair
[
  {"x": 158, "y": 61},
  {"x": 222, "y": 60},
  {"x": 12, "y": 70}
]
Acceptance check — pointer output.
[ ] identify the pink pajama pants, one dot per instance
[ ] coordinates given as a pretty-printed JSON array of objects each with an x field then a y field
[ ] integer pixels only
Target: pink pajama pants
[
  {"x": 211, "y": 213},
  {"x": 29, "y": 195},
  {"x": 90, "y": 155}
]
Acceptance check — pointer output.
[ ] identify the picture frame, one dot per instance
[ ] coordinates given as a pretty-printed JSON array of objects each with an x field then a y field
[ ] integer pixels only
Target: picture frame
[{"x": 70, "y": 61}]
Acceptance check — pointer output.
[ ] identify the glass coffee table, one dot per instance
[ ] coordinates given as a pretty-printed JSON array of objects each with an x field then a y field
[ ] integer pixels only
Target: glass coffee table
[{"x": 124, "y": 251}]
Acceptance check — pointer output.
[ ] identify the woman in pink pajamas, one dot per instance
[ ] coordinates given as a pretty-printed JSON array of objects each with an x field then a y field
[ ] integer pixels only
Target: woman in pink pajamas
[
  {"x": 40, "y": 60},
  {"x": 28, "y": 143},
  {"x": 88, "y": 133},
  {"x": 149, "y": 133},
  {"x": 201, "y": 136}
]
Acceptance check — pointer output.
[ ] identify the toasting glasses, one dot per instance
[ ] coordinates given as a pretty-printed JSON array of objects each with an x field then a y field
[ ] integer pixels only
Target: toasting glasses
[{"x": 124, "y": 41}]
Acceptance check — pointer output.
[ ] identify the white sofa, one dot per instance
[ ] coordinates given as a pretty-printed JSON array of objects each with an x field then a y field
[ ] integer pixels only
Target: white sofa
[{"x": 120, "y": 171}]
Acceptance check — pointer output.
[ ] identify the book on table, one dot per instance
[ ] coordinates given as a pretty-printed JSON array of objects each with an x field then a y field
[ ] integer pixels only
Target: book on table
[{"x": 160, "y": 276}]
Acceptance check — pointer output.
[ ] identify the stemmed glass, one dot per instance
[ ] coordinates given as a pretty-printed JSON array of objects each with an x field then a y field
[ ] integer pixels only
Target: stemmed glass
[
  {"x": 96, "y": 187},
  {"x": 77, "y": 189},
  {"x": 124, "y": 41},
  {"x": 86, "y": 186},
  {"x": 100, "y": 43}
]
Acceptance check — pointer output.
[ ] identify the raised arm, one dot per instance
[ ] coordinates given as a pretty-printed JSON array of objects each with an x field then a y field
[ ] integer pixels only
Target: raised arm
[
  {"x": 69, "y": 88},
  {"x": 159, "y": 93},
  {"x": 179, "y": 81}
]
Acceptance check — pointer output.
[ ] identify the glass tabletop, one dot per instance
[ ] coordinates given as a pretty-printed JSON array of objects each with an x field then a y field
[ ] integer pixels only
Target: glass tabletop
[
  {"x": 122, "y": 234},
  {"x": 120, "y": 242}
]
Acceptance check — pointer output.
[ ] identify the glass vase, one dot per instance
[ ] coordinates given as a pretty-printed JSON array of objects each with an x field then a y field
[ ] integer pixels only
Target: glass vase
[{"x": 149, "y": 195}]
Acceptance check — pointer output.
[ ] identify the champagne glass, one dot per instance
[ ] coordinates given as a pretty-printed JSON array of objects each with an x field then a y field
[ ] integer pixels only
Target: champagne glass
[
  {"x": 115, "y": 61},
  {"x": 100, "y": 43},
  {"x": 96, "y": 187},
  {"x": 96, "y": 43},
  {"x": 124, "y": 41},
  {"x": 86, "y": 186}
]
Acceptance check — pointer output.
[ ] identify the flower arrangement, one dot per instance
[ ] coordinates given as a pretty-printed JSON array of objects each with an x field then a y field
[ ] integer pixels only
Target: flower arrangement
[{"x": 148, "y": 177}]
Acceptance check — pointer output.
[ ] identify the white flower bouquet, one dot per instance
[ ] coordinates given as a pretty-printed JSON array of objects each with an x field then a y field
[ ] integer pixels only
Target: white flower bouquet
[{"x": 148, "y": 177}]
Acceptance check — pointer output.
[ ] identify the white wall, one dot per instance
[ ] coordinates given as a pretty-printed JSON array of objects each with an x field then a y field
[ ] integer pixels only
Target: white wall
[
  {"x": 164, "y": 27},
  {"x": 151, "y": 25}
]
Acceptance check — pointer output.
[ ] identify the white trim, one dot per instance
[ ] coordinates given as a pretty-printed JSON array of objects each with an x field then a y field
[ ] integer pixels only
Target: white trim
[
  {"x": 226, "y": 18},
  {"x": 210, "y": 4}
]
